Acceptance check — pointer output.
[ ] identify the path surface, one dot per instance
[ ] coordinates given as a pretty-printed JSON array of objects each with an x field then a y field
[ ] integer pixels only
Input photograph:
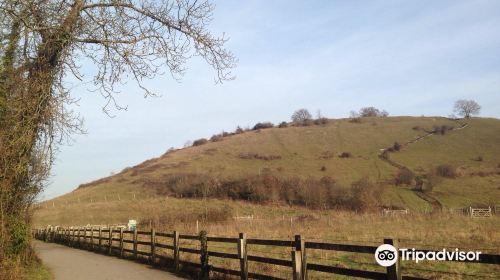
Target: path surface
[{"x": 68, "y": 263}]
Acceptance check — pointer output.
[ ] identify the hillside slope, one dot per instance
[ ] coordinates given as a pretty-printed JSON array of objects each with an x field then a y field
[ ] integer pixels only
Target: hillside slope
[{"x": 313, "y": 152}]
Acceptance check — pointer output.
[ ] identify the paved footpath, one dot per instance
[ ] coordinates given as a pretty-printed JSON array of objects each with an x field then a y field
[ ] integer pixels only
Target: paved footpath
[{"x": 73, "y": 264}]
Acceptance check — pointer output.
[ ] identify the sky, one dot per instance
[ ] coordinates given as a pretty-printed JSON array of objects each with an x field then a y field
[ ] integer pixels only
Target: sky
[{"x": 407, "y": 57}]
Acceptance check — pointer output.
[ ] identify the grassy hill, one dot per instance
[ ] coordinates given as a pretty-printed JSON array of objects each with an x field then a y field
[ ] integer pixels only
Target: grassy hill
[{"x": 312, "y": 152}]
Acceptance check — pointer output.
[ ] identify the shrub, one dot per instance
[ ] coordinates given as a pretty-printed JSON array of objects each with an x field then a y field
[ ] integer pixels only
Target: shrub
[
  {"x": 200, "y": 141},
  {"x": 323, "y": 168},
  {"x": 416, "y": 127},
  {"x": 404, "y": 176},
  {"x": 18, "y": 234},
  {"x": 396, "y": 146},
  {"x": 364, "y": 194},
  {"x": 345, "y": 155},
  {"x": 238, "y": 130},
  {"x": 445, "y": 170},
  {"x": 216, "y": 137},
  {"x": 263, "y": 125},
  {"x": 385, "y": 154},
  {"x": 283, "y": 125},
  {"x": 441, "y": 129},
  {"x": 479, "y": 158}
]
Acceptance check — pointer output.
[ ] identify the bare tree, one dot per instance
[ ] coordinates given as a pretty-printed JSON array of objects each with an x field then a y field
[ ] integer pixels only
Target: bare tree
[
  {"x": 372, "y": 112},
  {"x": 466, "y": 108},
  {"x": 43, "y": 41},
  {"x": 301, "y": 115}
]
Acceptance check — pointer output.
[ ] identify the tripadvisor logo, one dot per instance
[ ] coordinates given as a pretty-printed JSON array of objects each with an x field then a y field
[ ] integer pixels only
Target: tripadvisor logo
[{"x": 386, "y": 255}]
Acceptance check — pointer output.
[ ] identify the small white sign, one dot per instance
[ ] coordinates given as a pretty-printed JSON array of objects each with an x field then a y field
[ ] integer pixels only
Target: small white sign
[{"x": 132, "y": 224}]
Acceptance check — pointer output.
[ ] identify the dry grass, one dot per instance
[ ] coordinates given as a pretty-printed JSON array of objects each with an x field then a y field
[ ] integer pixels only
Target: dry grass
[{"x": 280, "y": 222}]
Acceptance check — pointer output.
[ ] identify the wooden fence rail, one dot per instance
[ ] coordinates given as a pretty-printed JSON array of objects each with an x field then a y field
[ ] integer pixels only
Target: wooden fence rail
[{"x": 111, "y": 241}]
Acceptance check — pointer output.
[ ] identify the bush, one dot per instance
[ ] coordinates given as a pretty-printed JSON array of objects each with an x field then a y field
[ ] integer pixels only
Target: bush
[
  {"x": 18, "y": 235},
  {"x": 238, "y": 130},
  {"x": 404, "y": 176},
  {"x": 385, "y": 154},
  {"x": 445, "y": 170},
  {"x": 479, "y": 158},
  {"x": 263, "y": 125},
  {"x": 283, "y": 125},
  {"x": 323, "y": 168},
  {"x": 441, "y": 129},
  {"x": 216, "y": 137},
  {"x": 364, "y": 194},
  {"x": 345, "y": 155},
  {"x": 200, "y": 141},
  {"x": 396, "y": 146}
]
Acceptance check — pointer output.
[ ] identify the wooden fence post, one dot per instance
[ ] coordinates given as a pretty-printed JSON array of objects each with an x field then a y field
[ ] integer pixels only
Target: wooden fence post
[
  {"x": 78, "y": 238},
  {"x": 92, "y": 238},
  {"x": 153, "y": 240},
  {"x": 135, "y": 243},
  {"x": 296, "y": 264},
  {"x": 85, "y": 237},
  {"x": 176, "y": 251},
  {"x": 110, "y": 238},
  {"x": 242, "y": 256},
  {"x": 300, "y": 246},
  {"x": 394, "y": 271},
  {"x": 205, "y": 268},
  {"x": 121, "y": 242},
  {"x": 100, "y": 239}
]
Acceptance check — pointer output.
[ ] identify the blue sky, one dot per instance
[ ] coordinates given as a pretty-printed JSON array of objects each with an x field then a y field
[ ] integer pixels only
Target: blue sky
[{"x": 407, "y": 57}]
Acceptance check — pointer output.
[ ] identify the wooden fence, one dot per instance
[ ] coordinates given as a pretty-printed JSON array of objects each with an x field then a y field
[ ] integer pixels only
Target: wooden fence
[
  {"x": 111, "y": 241},
  {"x": 480, "y": 212},
  {"x": 393, "y": 212}
]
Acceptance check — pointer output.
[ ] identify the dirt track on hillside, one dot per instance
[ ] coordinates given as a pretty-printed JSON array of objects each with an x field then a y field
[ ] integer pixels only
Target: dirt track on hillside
[{"x": 68, "y": 263}]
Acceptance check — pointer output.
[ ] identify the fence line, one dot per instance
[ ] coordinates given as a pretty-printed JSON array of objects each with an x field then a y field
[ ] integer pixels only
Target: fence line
[{"x": 111, "y": 241}]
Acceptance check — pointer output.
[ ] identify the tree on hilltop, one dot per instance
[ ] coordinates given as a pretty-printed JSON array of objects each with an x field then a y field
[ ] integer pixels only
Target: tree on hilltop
[
  {"x": 466, "y": 108},
  {"x": 301, "y": 115}
]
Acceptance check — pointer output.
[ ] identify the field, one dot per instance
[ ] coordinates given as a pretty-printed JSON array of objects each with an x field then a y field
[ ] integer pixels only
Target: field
[
  {"x": 428, "y": 231},
  {"x": 312, "y": 152}
]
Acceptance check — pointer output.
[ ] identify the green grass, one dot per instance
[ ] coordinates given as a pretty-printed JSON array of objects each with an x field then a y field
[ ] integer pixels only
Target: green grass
[{"x": 37, "y": 271}]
